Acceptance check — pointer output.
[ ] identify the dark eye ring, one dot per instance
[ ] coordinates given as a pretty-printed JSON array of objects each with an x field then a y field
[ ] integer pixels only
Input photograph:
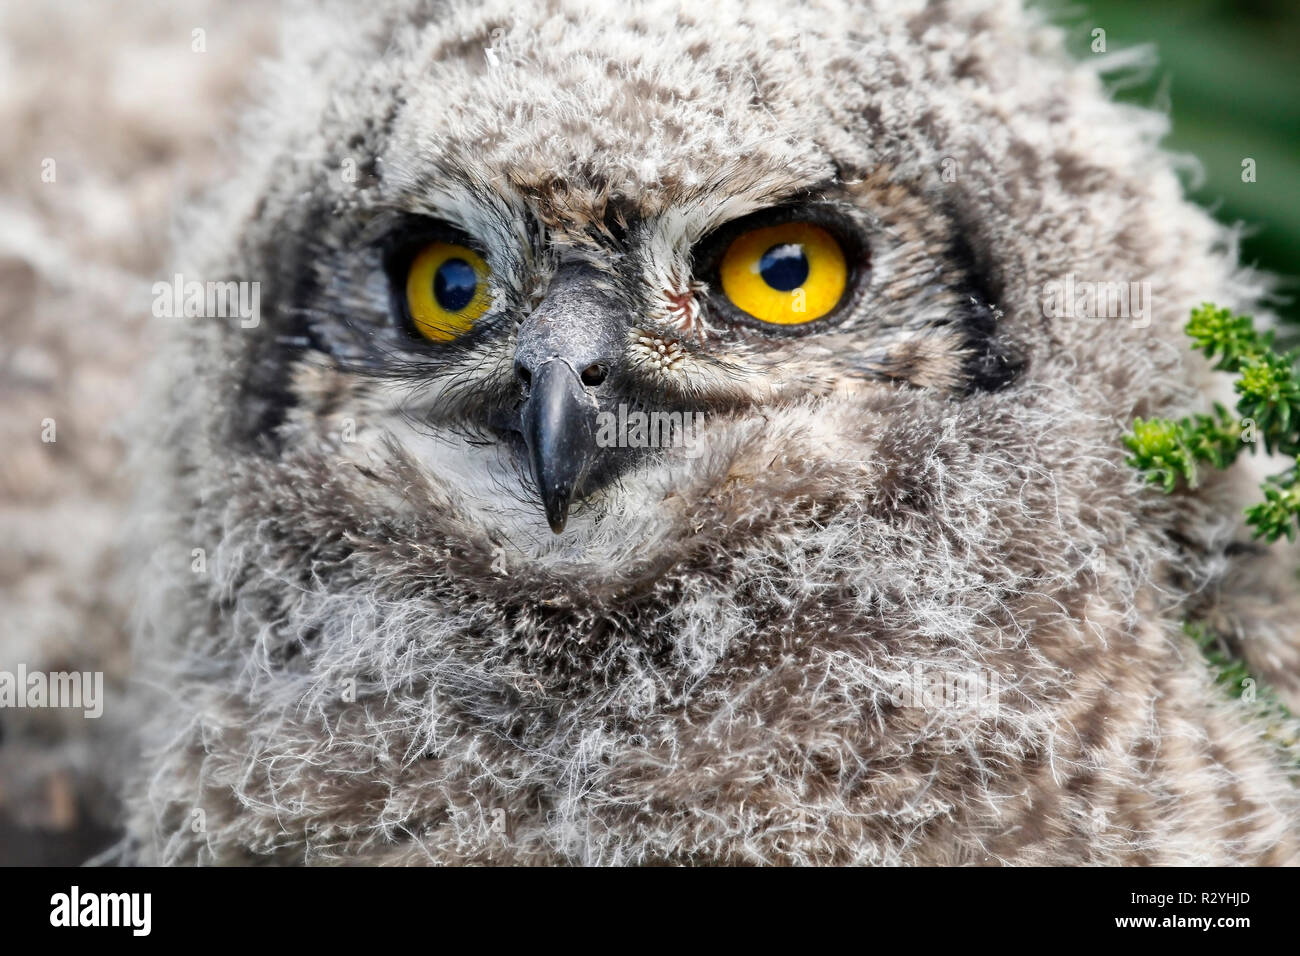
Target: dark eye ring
[{"x": 787, "y": 271}]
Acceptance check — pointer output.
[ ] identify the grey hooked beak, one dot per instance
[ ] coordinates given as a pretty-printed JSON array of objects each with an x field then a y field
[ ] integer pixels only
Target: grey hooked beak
[
  {"x": 559, "y": 427},
  {"x": 565, "y": 350}
]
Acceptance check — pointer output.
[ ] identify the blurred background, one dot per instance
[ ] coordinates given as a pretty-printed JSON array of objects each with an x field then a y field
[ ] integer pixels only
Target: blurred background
[
  {"x": 1228, "y": 74},
  {"x": 113, "y": 116},
  {"x": 116, "y": 114}
]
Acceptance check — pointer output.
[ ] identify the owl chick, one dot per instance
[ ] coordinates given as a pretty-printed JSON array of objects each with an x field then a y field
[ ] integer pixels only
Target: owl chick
[{"x": 661, "y": 438}]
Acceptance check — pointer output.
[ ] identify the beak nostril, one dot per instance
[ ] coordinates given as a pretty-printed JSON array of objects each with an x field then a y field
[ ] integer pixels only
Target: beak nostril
[
  {"x": 524, "y": 376},
  {"x": 594, "y": 375}
]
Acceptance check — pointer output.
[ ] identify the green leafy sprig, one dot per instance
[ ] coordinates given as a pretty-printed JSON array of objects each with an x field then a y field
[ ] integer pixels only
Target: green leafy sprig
[{"x": 1268, "y": 411}]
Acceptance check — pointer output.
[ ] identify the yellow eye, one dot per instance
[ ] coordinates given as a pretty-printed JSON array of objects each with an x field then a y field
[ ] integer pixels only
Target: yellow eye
[
  {"x": 787, "y": 274},
  {"x": 446, "y": 290}
]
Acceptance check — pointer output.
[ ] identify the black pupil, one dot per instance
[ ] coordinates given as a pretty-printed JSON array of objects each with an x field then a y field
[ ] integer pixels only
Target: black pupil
[
  {"x": 784, "y": 267},
  {"x": 454, "y": 284}
]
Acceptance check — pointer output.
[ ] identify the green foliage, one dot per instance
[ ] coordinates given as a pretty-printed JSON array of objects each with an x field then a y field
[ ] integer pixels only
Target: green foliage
[
  {"x": 1231, "y": 674},
  {"x": 1225, "y": 73},
  {"x": 1267, "y": 411}
]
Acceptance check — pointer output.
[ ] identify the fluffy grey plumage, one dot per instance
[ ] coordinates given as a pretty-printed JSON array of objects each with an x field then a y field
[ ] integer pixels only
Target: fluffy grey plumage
[{"x": 390, "y": 656}]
